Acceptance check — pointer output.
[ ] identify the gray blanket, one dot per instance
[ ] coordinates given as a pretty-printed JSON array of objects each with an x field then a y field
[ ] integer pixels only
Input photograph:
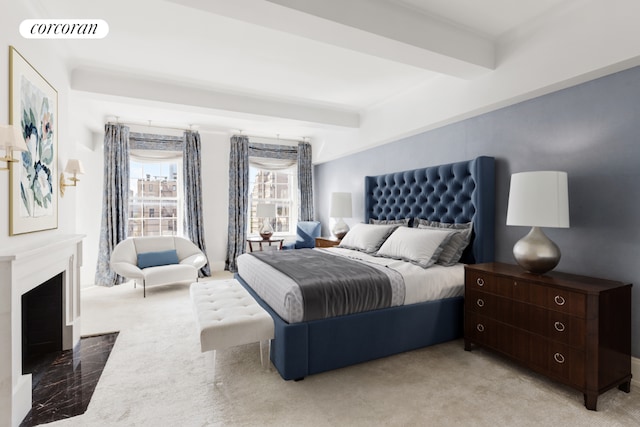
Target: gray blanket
[{"x": 331, "y": 285}]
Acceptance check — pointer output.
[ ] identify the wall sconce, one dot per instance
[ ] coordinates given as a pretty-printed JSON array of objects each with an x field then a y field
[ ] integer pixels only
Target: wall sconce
[
  {"x": 75, "y": 167},
  {"x": 11, "y": 138}
]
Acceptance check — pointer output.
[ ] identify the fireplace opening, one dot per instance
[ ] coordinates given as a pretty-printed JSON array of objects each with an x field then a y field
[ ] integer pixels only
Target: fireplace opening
[{"x": 42, "y": 318}]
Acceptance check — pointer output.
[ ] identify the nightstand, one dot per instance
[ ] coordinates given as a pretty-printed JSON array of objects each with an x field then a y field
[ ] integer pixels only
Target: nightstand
[
  {"x": 263, "y": 244},
  {"x": 573, "y": 329},
  {"x": 327, "y": 242}
]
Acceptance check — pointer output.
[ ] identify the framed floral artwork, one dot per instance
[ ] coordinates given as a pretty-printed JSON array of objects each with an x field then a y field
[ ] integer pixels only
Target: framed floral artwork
[{"x": 33, "y": 106}]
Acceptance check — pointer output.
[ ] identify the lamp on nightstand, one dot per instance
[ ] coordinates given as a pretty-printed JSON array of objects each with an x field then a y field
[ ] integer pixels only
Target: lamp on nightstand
[
  {"x": 266, "y": 211},
  {"x": 538, "y": 199},
  {"x": 340, "y": 209}
]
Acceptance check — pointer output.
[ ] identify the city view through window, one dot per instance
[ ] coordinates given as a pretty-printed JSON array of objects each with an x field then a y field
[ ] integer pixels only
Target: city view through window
[
  {"x": 279, "y": 187},
  {"x": 155, "y": 203}
]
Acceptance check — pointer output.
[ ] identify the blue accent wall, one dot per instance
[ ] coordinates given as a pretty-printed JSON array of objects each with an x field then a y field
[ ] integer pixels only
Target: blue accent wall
[{"x": 591, "y": 131}]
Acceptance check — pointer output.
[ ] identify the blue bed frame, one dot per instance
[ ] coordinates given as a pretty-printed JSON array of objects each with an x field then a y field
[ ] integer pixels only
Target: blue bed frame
[{"x": 457, "y": 192}]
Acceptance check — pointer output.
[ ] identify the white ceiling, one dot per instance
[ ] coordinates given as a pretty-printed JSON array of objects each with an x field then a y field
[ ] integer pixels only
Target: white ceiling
[{"x": 287, "y": 67}]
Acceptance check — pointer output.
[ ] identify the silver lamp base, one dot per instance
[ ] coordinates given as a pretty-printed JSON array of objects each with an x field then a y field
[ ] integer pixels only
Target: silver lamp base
[
  {"x": 266, "y": 231},
  {"x": 340, "y": 229},
  {"x": 536, "y": 253}
]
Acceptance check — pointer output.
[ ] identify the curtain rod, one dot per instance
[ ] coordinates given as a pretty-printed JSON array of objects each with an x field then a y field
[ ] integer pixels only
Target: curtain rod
[
  {"x": 301, "y": 139},
  {"x": 148, "y": 125}
]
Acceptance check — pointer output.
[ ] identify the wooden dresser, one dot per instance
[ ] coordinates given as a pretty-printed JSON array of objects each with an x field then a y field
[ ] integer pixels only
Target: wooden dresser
[{"x": 573, "y": 329}]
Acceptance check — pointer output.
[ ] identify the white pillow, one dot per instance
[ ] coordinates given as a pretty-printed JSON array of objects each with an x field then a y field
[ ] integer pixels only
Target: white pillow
[
  {"x": 367, "y": 237},
  {"x": 458, "y": 242},
  {"x": 420, "y": 246}
]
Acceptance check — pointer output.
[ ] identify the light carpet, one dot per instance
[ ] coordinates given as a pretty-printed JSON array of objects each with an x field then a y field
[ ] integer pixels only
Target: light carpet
[{"x": 157, "y": 376}]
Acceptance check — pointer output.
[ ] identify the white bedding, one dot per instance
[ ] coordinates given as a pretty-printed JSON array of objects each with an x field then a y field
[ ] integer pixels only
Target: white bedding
[{"x": 285, "y": 298}]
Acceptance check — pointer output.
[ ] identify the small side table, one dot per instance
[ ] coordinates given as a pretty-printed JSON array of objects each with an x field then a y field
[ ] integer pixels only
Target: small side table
[
  {"x": 266, "y": 242},
  {"x": 327, "y": 242}
]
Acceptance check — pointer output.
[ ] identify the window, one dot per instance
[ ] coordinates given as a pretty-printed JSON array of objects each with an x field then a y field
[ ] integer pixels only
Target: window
[
  {"x": 155, "y": 204},
  {"x": 274, "y": 186}
]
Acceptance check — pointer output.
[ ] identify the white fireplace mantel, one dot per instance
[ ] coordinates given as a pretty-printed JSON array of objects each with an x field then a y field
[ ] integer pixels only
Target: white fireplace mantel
[{"x": 23, "y": 268}]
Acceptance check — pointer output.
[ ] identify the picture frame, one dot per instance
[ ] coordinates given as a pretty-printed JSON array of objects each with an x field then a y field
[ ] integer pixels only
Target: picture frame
[{"x": 33, "y": 107}]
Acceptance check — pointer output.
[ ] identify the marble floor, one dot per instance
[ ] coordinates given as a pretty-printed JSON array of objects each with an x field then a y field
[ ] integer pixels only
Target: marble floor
[{"x": 65, "y": 388}]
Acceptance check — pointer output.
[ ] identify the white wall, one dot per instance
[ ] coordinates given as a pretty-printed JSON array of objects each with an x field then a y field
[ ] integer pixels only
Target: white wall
[
  {"x": 44, "y": 57},
  {"x": 215, "y": 189}
]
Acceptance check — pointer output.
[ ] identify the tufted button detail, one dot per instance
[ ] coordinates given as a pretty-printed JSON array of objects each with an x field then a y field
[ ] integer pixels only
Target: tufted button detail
[
  {"x": 227, "y": 315},
  {"x": 442, "y": 193}
]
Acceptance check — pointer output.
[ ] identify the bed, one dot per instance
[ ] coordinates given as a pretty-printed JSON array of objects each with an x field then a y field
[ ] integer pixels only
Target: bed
[{"x": 457, "y": 193}]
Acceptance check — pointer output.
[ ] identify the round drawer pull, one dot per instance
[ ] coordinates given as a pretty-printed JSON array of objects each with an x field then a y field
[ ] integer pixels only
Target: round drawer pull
[
  {"x": 558, "y": 358},
  {"x": 559, "y": 326},
  {"x": 480, "y": 281},
  {"x": 559, "y": 300},
  {"x": 480, "y": 302},
  {"x": 480, "y": 327}
]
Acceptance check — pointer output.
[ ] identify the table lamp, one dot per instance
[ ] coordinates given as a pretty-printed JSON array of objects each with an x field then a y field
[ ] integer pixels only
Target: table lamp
[
  {"x": 266, "y": 211},
  {"x": 340, "y": 209},
  {"x": 538, "y": 199}
]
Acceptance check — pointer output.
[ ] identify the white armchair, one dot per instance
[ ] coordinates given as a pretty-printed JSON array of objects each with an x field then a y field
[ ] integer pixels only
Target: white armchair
[{"x": 124, "y": 261}]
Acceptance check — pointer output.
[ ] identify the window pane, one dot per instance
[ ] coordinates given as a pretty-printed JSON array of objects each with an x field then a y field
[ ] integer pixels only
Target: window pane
[
  {"x": 277, "y": 187},
  {"x": 155, "y": 204},
  {"x": 134, "y": 228},
  {"x": 152, "y": 227},
  {"x": 135, "y": 208}
]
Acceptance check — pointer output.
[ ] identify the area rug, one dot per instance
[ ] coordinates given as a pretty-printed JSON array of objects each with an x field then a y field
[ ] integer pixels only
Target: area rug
[{"x": 157, "y": 376}]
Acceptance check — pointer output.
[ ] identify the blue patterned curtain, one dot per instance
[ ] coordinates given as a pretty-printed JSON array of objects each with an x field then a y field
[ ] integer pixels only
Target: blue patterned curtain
[
  {"x": 273, "y": 151},
  {"x": 115, "y": 200},
  {"x": 193, "y": 220},
  {"x": 238, "y": 198},
  {"x": 241, "y": 150},
  {"x": 155, "y": 142},
  {"x": 305, "y": 182}
]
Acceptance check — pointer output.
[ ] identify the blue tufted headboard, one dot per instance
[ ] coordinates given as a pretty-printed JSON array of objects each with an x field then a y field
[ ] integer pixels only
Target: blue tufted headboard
[{"x": 458, "y": 192}]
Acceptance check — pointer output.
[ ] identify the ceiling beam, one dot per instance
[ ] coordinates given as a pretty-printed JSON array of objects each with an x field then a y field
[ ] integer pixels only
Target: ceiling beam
[
  {"x": 131, "y": 86},
  {"x": 380, "y": 28}
]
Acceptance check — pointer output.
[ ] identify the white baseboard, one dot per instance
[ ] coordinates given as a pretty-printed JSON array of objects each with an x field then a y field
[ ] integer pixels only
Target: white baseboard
[{"x": 635, "y": 371}]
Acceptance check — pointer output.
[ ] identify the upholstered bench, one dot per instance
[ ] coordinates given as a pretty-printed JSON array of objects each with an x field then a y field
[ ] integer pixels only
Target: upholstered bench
[{"x": 227, "y": 316}]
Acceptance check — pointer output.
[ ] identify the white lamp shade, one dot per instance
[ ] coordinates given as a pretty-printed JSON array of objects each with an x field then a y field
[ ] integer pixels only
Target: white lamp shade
[
  {"x": 266, "y": 210},
  {"x": 74, "y": 166},
  {"x": 340, "y": 205},
  {"x": 539, "y": 199},
  {"x": 10, "y": 136}
]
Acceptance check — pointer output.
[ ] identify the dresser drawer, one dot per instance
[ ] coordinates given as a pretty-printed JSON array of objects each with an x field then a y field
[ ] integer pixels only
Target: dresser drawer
[
  {"x": 519, "y": 290},
  {"x": 560, "y": 300},
  {"x": 496, "y": 335},
  {"x": 480, "y": 281},
  {"x": 490, "y": 305},
  {"x": 566, "y": 302},
  {"x": 559, "y": 327},
  {"x": 528, "y": 291},
  {"x": 560, "y": 361},
  {"x": 556, "y": 326}
]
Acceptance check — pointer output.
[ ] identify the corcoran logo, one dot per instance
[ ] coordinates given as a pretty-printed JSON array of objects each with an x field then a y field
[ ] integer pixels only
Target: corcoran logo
[{"x": 64, "y": 28}]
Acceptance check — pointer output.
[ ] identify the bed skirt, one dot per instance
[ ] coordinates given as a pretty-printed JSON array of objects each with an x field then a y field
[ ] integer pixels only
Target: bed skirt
[{"x": 307, "y": 348}]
